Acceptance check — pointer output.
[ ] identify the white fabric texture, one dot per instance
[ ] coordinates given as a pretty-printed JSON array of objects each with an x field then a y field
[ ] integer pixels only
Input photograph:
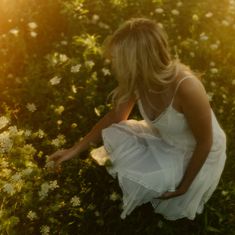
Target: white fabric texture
[{"x": 150, "y": 157}]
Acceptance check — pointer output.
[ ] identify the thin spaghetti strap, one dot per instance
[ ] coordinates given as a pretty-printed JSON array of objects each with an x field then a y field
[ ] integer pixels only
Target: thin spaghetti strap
[{"x": 177, "y": 86}]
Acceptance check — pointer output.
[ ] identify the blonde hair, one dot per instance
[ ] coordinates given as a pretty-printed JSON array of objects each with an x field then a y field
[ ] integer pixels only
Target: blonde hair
[{"x": 140, "y": 58}]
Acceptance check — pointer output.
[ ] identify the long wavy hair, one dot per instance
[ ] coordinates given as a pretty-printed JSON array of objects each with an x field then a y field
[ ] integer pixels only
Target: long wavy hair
[{"x": 140, "y": 58}]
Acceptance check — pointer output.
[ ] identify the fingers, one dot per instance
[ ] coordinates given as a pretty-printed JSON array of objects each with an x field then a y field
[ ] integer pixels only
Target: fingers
[
  {"x": 58, "y": 169},
  {"x": 167, "y": 195},
  {"x": 54, "y": 161}
]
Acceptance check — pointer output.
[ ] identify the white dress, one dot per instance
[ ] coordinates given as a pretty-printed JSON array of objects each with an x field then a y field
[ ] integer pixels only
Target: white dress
[{"x": 150, "y": 158}]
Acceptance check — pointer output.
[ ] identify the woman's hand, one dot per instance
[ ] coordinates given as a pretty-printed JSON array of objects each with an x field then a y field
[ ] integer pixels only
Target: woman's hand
[
  {"x": 176, "y": 193},
  {"x": 62, "y": 155}
]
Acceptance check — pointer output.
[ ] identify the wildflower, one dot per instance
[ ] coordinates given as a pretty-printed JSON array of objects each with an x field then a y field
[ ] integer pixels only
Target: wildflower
[
  {"x": 89, "y": 63},
  {"x": 75, "y": 68},
  {"x": 212, "y": 63},
  {"x": 41, "y": 133},
  {"x": 59, "y": 110},
  {"x": 114, "y": 196},
  {"x": 160, "y": 25},
  {"x": 74, "y": 125},
  {"x": 213, "y": 84},
  {"x": 209, "y": 14},
  {"x": 97, "y": 213},
  {"x": 5, "y": 142},
  {"x": 3, "y": 121},
  {"x": 95, "y": 18},
  {"x": 31, "y": 107},
  {"x": 159, "y": 10},
  {"x": 195, "y": 17},
  {"x": 225, "y": 23},
  {"x": 27, "y": 132},
  {"x": 63, "y": 58},
  {"x": 179, "y": 4},
  {"x": 214, "y": 70},
  {"x": 32, "y": 215},
  {"x": 75, "y": 201},
  {"x": 16, "y": 177},
  {"x": 192, "y": 54},
  {"x": 64, "y": 42},
  {"x": 8, "y": 188},
  {"x": 214, "y": 46},
  {"x": 32, "y": 25},
  {"x": 106, "y": 71},
  {"x": 74, "y": 89},
  {"x": 33, "y": 34},
  {"x": 103, "y": 25},
  {"x": 175, "y": 12},
  {"x": 59, "y": 122},
  {"x": 13, "y": 130},
  {"x": 55, "y": 142},
  {"x": 44, "y": 229},
  {"x": 53, "y": 185},
  {"x": 6, "y": 172},
  {"x": 44, "y": 190},
  {"x": 60, "y": 140},
  {"x": 203, "y": 37},
  {"x": 4, "y": 163},
  {"x": 27, "y": 171},
  {"x": 55, "y": 80},
  {"x": 15, "y": 32},
  {"x": 224, "y": 193}
]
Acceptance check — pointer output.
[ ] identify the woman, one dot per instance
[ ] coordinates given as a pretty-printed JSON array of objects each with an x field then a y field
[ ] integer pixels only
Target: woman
[{"x": 172, "y": 158}]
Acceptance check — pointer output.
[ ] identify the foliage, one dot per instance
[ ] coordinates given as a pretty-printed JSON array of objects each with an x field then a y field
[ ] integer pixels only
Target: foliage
[{"x": 54, "y": 84}]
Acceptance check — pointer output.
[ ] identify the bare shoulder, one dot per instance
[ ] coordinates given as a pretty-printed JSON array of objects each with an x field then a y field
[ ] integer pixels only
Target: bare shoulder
[
  {"x": 193, "y": 97},
  {"x": 192, "y": 89},
  {"x": 189, "y": 85},
  {"x": 196, "y": 108}
]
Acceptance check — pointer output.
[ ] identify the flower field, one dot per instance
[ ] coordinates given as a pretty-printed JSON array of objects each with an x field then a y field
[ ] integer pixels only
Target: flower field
[{"x": 54, "y": 85}]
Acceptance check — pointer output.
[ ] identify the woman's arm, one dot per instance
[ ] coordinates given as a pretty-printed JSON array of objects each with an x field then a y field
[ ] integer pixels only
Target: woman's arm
[
  {"x": 94, "y": 136},
  {"x": 197, "y": 110},
  {"x": 114, "y": 116}
]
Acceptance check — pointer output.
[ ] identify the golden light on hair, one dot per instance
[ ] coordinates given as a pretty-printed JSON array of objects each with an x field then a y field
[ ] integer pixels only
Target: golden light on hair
[{"x": 140, "y": 58}]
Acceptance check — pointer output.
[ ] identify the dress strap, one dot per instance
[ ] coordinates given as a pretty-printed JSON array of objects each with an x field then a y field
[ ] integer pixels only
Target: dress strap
[{"x": 177, "y": 87}]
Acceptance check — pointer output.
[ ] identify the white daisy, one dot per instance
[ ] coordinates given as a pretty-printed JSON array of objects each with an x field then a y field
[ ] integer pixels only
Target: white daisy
[
  {"x": 15, "y": 32},
  {"x": 75, "y": 201},
  {"x": 75, "y": 68},
  {"x": 44, "y": 229},
  {"x": 33, "y": 34},
  {"x": 31, "y": 107},
  {"x": 32, "y": 25},
  {"x": 175, "y": 12},
  {"x": 32, "y": 215},
  {"x": 55, "y": 80}
]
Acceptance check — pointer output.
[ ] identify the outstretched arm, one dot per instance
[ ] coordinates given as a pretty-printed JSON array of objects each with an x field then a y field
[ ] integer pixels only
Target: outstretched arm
[
  {"x": 94, "y": 136},
  {"x": 197, "y": 110}
]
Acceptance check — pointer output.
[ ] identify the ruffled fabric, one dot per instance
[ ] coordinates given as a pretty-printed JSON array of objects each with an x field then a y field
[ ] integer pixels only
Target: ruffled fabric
[{"x": 146, "y": 166}]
